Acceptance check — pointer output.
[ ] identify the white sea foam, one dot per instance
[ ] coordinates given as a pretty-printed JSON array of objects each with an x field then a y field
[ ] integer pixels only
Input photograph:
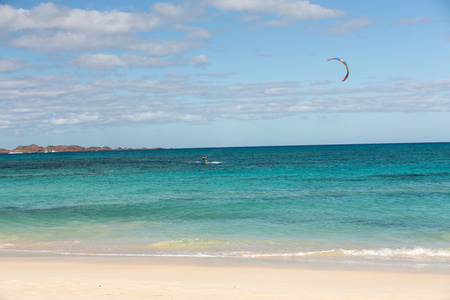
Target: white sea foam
[
  {"x": 399, "y": 252},
  {"x": 382, "y": 253},
  {"x": 209, "y": 162},
  {"x": 417, "y": 252}
]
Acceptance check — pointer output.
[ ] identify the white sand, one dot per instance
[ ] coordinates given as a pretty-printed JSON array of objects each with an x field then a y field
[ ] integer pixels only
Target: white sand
[{"x": 100, "y": 278}]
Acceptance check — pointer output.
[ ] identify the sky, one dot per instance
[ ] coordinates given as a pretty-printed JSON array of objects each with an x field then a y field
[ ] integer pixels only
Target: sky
[{"x": 223, "y": 73}]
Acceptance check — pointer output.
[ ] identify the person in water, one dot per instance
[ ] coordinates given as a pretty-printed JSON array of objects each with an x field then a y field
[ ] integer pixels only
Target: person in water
[{"x": 204, "y": 159}]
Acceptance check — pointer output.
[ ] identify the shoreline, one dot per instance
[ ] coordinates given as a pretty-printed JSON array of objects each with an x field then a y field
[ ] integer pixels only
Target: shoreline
[
  {"x": 32, "y": 149},
  {"x": 321, "y": 262},
  {"x": 72, "y": 277}
]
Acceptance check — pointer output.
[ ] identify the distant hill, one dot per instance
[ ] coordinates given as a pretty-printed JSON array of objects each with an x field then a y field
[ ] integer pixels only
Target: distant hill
[{"x": 64, "y": 148}]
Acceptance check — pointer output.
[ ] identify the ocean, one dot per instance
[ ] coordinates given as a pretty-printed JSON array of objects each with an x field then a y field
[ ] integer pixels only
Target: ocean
[{"x": 387, "y": 203}]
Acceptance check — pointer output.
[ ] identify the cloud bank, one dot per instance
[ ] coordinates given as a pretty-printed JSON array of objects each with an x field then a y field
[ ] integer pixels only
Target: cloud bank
[
  {"x": 47, "y": 102},
  {"x": 48, "y": 28}
]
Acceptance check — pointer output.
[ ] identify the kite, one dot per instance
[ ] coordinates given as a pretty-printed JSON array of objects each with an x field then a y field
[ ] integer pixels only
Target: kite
[{"x": 342, "y": 61}]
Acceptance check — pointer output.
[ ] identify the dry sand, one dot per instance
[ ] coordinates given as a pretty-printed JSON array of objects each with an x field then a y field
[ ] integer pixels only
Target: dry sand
[{"x": 105, "y": 278}]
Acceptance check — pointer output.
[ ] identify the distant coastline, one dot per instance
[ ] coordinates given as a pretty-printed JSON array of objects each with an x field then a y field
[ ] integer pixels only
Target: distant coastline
[{"x": 65, "y": 148}]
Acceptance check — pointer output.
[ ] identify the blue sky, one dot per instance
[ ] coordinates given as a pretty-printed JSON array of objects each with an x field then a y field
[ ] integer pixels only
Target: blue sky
[{"x": 215, "y": 73}]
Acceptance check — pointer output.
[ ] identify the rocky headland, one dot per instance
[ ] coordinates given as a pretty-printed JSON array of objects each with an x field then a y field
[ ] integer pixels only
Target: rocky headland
[{"x": 64, "y": 148}]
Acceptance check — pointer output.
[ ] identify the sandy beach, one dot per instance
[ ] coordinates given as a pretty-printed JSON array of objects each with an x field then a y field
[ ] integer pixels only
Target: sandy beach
[{"x": 124, "y": 278}]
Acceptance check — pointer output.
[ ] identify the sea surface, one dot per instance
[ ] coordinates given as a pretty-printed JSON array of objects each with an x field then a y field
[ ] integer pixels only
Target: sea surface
[{"x": 373, "y": 203}]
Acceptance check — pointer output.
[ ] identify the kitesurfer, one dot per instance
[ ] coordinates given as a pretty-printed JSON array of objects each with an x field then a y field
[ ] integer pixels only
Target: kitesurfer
[{"x": 204, "y": 159}]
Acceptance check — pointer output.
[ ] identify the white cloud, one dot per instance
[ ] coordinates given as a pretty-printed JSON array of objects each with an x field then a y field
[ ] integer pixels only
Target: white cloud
[
  {"x": 99, "y": 61},
  {"x": 72, "y": 118},
  {"x": 9, "y": 65},
  {"x": 197, "y": 60},
  {"x": 110, "y": 62},
  {"x": 83, "y": 41},
  {"x": 51, "y": 28},
  {"x": 49, "y": 16},
  {"x": 169, "y": 12},
  {"x": 5, "y": 124},
  {"x": 65, "y": 41},
  {"x": 159, "y": 48},
  {"x": 162, "y": 116},
  {"x": 284, "y": 9}
]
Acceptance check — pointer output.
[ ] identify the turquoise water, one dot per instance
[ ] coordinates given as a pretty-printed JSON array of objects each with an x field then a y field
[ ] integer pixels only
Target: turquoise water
[{"x": 350, "y": 202}]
